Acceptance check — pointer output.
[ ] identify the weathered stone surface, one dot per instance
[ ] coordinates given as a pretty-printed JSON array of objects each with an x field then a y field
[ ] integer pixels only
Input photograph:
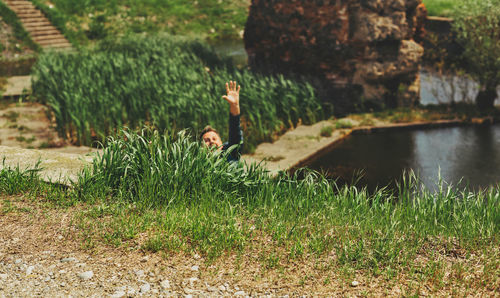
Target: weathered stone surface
[
  {"x": 55, "y": 167},
  {"x": 366, "y": 43}
]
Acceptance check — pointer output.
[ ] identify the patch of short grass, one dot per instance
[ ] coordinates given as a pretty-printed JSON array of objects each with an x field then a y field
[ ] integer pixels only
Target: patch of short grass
[
  {"x": 85, "y": 22},
  {"x": 326, "y": 131},
  {"x": 440, "y": 8},
  {"x": 342, "y": 124}
]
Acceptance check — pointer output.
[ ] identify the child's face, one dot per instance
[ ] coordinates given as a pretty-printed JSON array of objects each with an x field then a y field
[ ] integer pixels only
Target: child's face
[{"x": 211, "y": 139}]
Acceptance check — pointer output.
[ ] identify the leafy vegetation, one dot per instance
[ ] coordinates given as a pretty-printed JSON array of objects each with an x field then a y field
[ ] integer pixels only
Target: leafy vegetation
[
  {"x": 326, "y": 131},
  {"x": 340, "y": 124},
  {"x": 166, "y": 82},
  {"x": 175, "y": 194},
  {"x": 477, "y": 25},
  {"x": 440, "y": 8}
]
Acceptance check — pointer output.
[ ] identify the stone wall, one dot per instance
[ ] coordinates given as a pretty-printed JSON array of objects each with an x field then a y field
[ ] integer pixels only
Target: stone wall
[{"x": 366, "y": 44}]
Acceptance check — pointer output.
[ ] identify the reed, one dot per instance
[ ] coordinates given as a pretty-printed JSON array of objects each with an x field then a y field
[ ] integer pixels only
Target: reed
[
  {"x": 189, "y": 194},
  {"x": 169, "y": 194},
  {"x": 166, "y": 82}
]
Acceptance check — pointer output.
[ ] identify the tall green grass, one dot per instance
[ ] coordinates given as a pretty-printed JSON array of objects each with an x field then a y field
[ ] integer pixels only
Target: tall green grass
[
  {"x": 166, "y": 82},
  {"x": 174, "y": 194},
  {"x": 186, "y": 194}
]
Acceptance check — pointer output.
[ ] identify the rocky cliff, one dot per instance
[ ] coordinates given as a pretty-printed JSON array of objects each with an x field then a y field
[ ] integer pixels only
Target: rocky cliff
[{"x": 365, "y": 45}]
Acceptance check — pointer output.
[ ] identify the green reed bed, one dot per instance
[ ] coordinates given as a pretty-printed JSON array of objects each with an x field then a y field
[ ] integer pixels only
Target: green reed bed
[{"x": 166, "y": 82}]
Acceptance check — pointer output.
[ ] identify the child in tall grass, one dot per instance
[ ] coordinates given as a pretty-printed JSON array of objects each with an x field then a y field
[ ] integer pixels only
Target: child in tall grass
[{"x": 211, "y": 137}]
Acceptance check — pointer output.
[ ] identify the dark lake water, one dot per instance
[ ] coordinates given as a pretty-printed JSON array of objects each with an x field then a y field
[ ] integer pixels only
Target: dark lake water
[{"x": 470, "y": 154}]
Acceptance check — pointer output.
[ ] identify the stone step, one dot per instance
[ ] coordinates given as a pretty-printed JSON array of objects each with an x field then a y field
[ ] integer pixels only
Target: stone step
[
  {"x": 42, "y": 26},
  {"x": 43, "y": 41},
  {"x": 44, "y": 32},
  {"x": 65, "y": 45},
  {"x": 40, "y": 19},
  {"x": 56, "y": 167},
  {"x": 37, "y": 25},
  {"x": 22, "y": 7},
  {"x": 17, "y": 86},
  {"x": 24, "y": 10},
  {"x": 29, "y": 14},
  {"x": 19, "y": 3}
]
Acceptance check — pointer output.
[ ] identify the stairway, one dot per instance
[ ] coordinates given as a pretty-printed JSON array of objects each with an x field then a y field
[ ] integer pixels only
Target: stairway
[{"x": 37, "y": 25}]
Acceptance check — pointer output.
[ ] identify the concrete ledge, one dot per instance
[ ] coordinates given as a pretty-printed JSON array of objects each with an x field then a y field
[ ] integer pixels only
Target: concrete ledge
[
  {"x": 60, "y": 168},
  {"x": 17, "y": 86},
  {"x": 407, "y": 126},
  {"x": 295, "y": 159}
]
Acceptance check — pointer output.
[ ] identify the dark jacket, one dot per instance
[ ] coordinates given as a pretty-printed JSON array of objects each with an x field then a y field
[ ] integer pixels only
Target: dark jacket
[{"x": 235, "y": 138}]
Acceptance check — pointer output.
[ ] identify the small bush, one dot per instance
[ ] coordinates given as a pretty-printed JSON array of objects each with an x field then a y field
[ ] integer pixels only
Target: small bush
[
  {"x": 326, "y": 131},
  {"x": 342, "y": 124},
  {"x": 477, "y": 25},
  {"x": 97, "y": 28},
  {"x": 441, "y": 8}
]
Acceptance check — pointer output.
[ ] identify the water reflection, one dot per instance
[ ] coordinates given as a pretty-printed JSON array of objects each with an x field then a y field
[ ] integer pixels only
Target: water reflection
[
  {"x": 467, "y": 154},
  {"x": 441, "y": 89}
]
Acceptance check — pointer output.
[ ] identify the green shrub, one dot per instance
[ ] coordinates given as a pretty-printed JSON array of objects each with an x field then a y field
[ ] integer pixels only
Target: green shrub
[
  {"x": 477, "y": 25},
  {"x": 97, "y": 27},
  {"x": 169, "y": 83},
  {"x": 340, "y": 124}
]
